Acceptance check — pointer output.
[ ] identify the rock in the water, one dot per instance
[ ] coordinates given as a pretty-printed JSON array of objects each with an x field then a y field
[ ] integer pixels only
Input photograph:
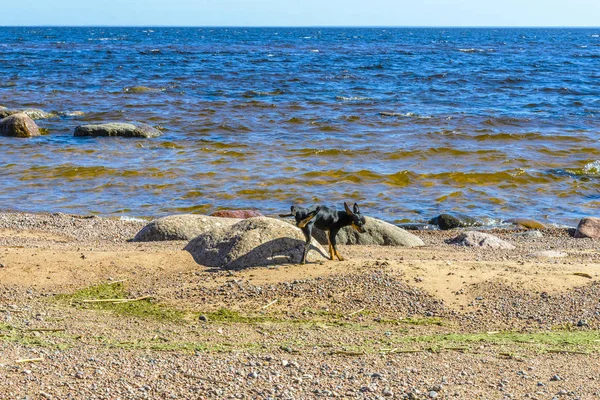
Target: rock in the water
[
  {"x": 377, "y": 232},
  {"x": 457, "y": 220},
  {"x": 18, "y": 125},
  {"x": 588, "y": 227},
  {"x": 240, "y": 214},
  {"x": 480, "y": 239},
  {"x": 253, "y": 242},
  {"x": 71, "y": 113},
  {"x": 181, "y": 227},
  {"x": 33, "y": 113},
  {"x": 415, "y": 226},
  {"x": 123, "y": 129},
  {"x": 526, "y": 223}
]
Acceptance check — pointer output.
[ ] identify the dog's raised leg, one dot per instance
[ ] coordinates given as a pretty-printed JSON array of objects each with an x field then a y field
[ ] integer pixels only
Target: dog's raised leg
[{"x": 332, "y": 235}]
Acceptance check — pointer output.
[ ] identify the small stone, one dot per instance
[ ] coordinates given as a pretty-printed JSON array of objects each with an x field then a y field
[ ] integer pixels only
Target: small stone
[
  {"x": 433, "y": 394},
  {"x": 541, "y": 384},
  {"x": 548, "y": 254},
  {"x": 387, "y": 392},
  {"x": 555, "y": 378},
  {"x": 253, "y": 375},
  {"x": 203, "y": 318},
  {"x": 480, "y": 239},
  {"x": 529, "y": 235},
  {"x": 285, "y": 363},
  {"x": 79, "y": 375}
]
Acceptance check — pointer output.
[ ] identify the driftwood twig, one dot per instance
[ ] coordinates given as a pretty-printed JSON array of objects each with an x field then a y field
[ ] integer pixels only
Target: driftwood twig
[
  {"x": 269, "y": 305},
  {"x": 27, "y": 360},
  {"x": 356, "y": 312},
  {"x": 116, "y": 301}
]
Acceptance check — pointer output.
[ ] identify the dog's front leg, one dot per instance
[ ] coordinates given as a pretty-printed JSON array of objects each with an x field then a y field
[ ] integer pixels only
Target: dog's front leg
[
  {"x": 328, "y": 234},
  {"x": 332, "y": 235},
  {"x": 307, "y": 230}
]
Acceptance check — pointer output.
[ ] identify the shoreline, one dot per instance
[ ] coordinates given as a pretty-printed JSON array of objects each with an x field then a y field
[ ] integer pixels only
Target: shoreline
[{"x": 459, "y": 321}]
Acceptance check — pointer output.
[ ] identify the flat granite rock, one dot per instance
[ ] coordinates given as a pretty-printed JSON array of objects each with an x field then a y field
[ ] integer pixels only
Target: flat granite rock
[
  {"x": 240, "y": 214},
  {"x": 122, "y": 129},
  {"x": 526, "y": 223},
  {"x": 253, "y": 242},
  {"x": 377, "y": 232},
  {"x": 181, "y": 227},
  {"x": 33, "y": 113},
  {"x": 480, "y": 239}
]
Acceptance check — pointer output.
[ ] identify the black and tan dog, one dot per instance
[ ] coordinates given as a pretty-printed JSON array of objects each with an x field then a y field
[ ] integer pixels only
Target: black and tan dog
[{"x": 327, "y": 219}]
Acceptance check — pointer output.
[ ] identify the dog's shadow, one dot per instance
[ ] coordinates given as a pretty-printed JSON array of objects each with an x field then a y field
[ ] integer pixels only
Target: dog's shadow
[{"x": 274, "y": 252}]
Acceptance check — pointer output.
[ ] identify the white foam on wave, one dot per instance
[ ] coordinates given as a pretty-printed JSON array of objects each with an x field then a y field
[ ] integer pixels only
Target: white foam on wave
[
  {"x": 472, "y": 50},
  {"x": 592, "y": 168},
  {"x": 352, "y": 98}
]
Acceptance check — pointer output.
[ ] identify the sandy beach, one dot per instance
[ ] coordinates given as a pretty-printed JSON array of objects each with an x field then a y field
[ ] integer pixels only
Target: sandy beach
[{"x": 439, "y": 321}]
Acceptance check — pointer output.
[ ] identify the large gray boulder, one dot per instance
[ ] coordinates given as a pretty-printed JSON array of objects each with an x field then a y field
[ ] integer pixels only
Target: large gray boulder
[
  {"x": 181, "y": 227},
  {"x": 589, "y": 227},
  {"x": 253, "y": 242},
  {"x": 480, "y": 239},
  {"x": 377, "y": 232},
  {"x": 18, "y": 125},
  {"x": 122, "y": 129}
]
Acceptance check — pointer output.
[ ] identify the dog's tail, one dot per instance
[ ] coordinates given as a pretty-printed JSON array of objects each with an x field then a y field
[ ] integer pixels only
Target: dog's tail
[
  {"x": 293, "y": 212},
  {"x": 303, "y": 222}
]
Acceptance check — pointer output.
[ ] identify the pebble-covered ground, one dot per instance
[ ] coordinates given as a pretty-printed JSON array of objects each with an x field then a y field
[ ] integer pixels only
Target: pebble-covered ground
[{"x": 441, "y": 321}]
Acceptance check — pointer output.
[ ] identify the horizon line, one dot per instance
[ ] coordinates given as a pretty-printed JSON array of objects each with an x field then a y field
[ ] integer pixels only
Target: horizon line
[{"x": 316, "y": 26}]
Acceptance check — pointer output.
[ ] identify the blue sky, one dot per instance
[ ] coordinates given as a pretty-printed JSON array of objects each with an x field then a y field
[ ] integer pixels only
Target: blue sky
[{"x": 302, "y": 12}]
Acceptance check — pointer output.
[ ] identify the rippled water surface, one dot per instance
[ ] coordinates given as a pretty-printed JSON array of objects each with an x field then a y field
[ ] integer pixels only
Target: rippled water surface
[{"x": 407, "y": 122}]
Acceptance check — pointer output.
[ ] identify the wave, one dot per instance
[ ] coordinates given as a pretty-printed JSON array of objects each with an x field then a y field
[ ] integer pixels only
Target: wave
[
  {"x": 589, "y": 170},
  {"x": 141, "y": 89},
  {"x": 72, "y": 172},
  {"x": 506, "y": 121},
  {"x": 407, "y": 115},
  {"x": 258, "y": 93},
  {"x": 353, "y": 98},
  {"x": 510, "y": 178}
]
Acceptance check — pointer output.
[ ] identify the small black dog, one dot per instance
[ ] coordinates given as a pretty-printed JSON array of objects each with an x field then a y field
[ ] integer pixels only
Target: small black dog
[{"x": 328, "y": 219}]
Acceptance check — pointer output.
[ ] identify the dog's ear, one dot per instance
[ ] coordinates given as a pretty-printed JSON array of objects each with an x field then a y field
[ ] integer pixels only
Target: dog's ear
[
  {"x": 356, "y": 209},
  {"x": 348, "y": 209},
  {"x": 293, "y": 209}
]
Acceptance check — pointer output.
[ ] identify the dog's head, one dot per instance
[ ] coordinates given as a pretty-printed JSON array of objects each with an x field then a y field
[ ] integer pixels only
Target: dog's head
[{"x": 358, "y": 221}]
